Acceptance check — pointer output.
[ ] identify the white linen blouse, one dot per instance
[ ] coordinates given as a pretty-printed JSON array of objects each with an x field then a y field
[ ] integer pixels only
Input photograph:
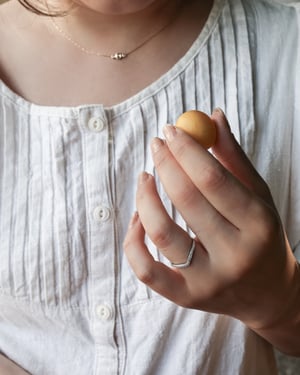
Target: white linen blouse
[{"x": 69, "y": 302}]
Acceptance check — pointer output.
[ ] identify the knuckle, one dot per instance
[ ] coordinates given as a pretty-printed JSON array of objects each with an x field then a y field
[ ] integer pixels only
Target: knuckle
[
  {"x": 160, "y": 158},
  {"x": 267, "y": 223},
  {"x": 182, "y": 147},
  {"x": 186, "y": 194},
  {"x": 213, "y": 178},
  {"x": 162, "y": 236},
  {"x": 146, "y": 275}
]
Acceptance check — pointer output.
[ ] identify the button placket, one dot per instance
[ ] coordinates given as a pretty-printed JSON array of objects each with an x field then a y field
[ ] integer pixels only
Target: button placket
[
  {"x": 101, "y": 214},
  {"x": 97, "y": 164},
  {"x": 96, "y": 124},
  {"x": 104, "y": 312}
]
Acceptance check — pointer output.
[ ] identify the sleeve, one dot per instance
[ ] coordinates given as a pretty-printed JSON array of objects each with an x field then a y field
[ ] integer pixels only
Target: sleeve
[
  {"x": 294, "y": 204},
  {"x": 277, "y": 106}
]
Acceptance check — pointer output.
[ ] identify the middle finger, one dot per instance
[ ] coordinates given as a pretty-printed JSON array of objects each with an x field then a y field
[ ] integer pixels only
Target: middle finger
[{"x": 200, "y": 215}]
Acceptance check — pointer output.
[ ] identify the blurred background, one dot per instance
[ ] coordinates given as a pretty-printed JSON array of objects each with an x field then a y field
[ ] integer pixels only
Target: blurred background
[{"x": 287, "y": 365}]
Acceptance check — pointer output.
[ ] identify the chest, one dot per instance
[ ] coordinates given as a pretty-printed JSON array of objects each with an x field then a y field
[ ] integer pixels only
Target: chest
[{"x": 46, "y": 69}]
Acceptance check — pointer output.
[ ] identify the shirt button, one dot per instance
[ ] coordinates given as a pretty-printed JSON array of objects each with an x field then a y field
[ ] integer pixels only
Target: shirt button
[
  {"x": 101, "y": 214},
  {"x": 96, "y": 124},
  {"x": 104, "y": 312}
]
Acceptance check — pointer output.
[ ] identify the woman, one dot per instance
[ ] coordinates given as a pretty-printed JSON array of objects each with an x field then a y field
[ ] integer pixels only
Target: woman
[{"x": 82, "y": 98}]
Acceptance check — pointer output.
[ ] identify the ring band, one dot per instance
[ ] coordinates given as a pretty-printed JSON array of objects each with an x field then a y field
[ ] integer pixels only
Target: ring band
[{"x": 188, "y": 259}]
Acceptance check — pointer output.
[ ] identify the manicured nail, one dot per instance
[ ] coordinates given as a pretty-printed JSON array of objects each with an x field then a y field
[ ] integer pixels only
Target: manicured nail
[
  {"x": 143, "y": 177},
  {"x": 133, "y": 219},
  {"x": 156, "y": 144},
  {"x": 169, "y": 132},
  {"x": 218, "y": 110},
  {"x": 222, "y": 114}
]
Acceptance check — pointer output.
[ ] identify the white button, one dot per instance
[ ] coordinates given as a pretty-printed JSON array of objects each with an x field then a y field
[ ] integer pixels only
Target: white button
[
  {"x": 101, "y": 214},
  {"x": 96, "y": 124},
  {"x": 104, "y": 312}
]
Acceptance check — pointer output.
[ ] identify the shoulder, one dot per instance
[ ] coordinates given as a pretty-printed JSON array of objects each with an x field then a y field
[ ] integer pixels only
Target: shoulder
[
  {"x": 273, "y": 27},
  {"x": 5, "y": 24},
  {"x": 268, "y": 12},
  {"x": 268, "y": 23},
  {"x": 5, "y": 6},
  {"x": 20, "y": 36},
  {"x": 9, "y": 14},
  {"x": 19, "y": 28}
]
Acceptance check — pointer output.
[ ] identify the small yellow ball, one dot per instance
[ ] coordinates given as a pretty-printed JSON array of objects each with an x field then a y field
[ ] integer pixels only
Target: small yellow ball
[{"x": 199, "y": 126}]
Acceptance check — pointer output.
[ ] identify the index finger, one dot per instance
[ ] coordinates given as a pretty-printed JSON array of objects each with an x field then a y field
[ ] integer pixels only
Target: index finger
[{"x": 222, "y": 190}]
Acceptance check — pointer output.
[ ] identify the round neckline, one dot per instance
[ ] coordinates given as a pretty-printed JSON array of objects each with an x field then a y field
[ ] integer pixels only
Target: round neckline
[{"x": 142, "y": 95}]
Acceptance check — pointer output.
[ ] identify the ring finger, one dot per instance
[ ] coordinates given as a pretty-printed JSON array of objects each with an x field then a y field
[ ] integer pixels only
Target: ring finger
[{"x": 172, "y": 241}]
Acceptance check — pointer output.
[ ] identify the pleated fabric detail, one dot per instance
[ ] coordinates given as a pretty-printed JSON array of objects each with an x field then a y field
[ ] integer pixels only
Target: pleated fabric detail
[
  {"x": 46, "y": 255},
  {"x": 42, "y": 188}
]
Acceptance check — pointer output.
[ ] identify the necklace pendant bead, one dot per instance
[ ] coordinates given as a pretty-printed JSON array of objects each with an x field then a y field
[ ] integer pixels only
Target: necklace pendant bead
[{"x": 118, "y": 56}]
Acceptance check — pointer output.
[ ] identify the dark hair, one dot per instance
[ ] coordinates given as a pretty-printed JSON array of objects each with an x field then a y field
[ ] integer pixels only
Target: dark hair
[{"x": 40, "y": 11}]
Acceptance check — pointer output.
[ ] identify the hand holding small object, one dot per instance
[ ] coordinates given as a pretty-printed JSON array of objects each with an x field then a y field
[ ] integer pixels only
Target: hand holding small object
[
  {"x": 242, "y": 264},
  {"x": 198, "y": 125}
]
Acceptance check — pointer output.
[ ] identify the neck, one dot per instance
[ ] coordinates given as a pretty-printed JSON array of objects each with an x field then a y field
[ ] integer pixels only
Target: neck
[{"x": 97, "y": 30}]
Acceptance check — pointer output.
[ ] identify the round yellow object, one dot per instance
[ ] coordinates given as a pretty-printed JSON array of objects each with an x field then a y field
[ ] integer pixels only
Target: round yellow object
[{"x": 199, "y": 126}]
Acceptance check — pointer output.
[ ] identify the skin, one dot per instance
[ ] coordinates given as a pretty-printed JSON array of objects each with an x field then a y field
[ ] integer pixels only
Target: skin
[
  {"x": 117, "y": 7},
  {"x": 100, "y": 19},
  {"x": 53, "y": 79},
  {"x": 125, "y": 22},
  {"x": 248, "y": 269},
  {"x": 243, "y": 265},
  {"x": 99, "y": 25}
]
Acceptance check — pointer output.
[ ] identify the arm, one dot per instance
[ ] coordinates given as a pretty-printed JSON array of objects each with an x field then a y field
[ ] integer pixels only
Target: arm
[
  {"x": 284, "y": 332},
  {"x": 243, "y": 265},
  {"x": 8, "y": 367}
]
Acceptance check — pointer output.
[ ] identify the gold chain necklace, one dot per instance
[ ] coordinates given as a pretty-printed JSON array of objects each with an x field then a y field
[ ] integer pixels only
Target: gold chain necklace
[{"x": 115, "y": 55}]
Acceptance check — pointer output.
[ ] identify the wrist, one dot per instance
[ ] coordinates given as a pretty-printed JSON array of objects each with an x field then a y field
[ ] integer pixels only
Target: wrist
[{"x": 283, "y": 332}]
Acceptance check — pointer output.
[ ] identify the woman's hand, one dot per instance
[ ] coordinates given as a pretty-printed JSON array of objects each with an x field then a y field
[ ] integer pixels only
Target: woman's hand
[{"x": 242, "y": 265}]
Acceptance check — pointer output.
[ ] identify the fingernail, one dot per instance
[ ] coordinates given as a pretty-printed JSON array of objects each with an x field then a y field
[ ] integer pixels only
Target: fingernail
[
  {"x": 218, "y": 110},
  {"x": 156, "y": 144},
  {"x": 169, "y": 132},
  {"x": 133, "y": 219},
  {"x": 143, "y": 177},
  {"x": 221, "y": 112}
]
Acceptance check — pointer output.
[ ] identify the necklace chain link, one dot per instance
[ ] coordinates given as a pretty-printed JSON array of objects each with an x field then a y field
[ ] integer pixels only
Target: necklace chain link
[{"x": 116, "y": 55}]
